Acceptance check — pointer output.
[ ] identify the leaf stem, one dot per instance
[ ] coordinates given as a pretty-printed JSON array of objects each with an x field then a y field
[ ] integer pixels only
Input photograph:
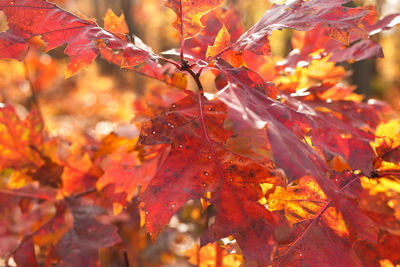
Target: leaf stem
[
  {"x": 384, "y": 173},
  {"x": 177, "y": 65},
  {"x": 126, "y": 259},
  {"x": 196, "y": 76}
]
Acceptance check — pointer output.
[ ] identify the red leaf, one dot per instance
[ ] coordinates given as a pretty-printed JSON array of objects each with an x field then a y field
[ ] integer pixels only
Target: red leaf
[
  {"x": 318, "y": 226},
  {"x": 216, "y": 19},
  {"x": 359, "y": 49},
  {"x": 130, "y": 174},
  {"x": 84, "y": 39},
  {"x": 199, "y": 163},
  {"x": 24, "y": 255},
  {"x": 303, "y": 16}
]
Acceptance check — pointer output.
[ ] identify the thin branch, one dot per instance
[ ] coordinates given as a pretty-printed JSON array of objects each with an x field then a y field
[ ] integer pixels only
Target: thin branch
[
  {"x": 126, "y": 259},
  {"x": 384, "y": 173},
  {"x": 34, "y": 97},
  {"x": 126, "y": 6},
  {"x": 87, "y": 192},
  {"x": 23, "y": 194},
  {"x": 181, "y": 56}
]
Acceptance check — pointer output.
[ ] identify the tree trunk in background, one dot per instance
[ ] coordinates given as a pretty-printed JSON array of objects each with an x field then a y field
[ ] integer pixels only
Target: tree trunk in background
[
  {"x": 363, "y": 72},
  {"x": 126, "y": 6}
]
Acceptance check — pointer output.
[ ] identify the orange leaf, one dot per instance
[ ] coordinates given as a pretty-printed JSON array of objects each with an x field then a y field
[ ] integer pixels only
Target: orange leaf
[{"x": 114, "y": 23}]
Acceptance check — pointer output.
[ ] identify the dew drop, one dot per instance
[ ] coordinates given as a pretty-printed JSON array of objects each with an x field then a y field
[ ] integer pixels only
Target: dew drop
[
  {"x": 206, "y": 173},
  {"x": 137, "y": 61},
  {"x": 231, "y": 180},
  {"x": 231, "y": 161},
  {"x": 172, "y": 126},
  {"x": 301, "y": 255},
  {"x": 240, "y": 160},
  {"x": 209, "y": 109},
  {"x": 209, "y": 157},
  {"x": 180, "y": 145},
  {"x": 174, "y": 106},
  {"x": 146, "y": 212},
  {"x": 146, "y": 134},
  {"x": 336, "y": 180},
  {"x": 173, "y": 206},
  {"x": 153, "y": 132},
  {"x": 204, "y": 184}
]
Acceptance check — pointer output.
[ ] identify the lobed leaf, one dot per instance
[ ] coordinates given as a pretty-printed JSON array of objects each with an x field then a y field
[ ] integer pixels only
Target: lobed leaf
[
  {"x": 199, "y": 163},
  {"x": 189, "y": 12},
  {"x": 303, "y": 16},
  {"x": 84, "y": 39}
]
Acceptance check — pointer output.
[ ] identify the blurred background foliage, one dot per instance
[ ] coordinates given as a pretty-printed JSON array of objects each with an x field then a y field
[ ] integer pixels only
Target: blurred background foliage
[{"x": 105, "y": 98}]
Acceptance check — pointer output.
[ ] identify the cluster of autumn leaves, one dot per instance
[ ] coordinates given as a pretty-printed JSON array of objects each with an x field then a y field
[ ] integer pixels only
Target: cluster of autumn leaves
[{"x": 270, "y": 160}]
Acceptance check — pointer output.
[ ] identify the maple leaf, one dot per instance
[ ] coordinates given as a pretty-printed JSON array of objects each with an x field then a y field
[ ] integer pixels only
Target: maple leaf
[
  {"x": 199, "y": 163},
  {"x": 84, "y": 39},
  {"x": 188, "y": 14}
]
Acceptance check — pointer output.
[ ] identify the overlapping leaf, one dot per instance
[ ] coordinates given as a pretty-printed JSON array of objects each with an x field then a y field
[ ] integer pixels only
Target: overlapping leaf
[
  {"x": 84, "y": 39},
  {"x": 304, "y": 16},
  {"x": 199, "y": 163},
  {"x": 317, "y": 225},
  {"x": 189, "y": 12},
  {"x": 307, "y": 44}
]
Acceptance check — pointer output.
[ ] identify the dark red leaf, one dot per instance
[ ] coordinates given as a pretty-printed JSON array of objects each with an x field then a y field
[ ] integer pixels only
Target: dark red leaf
[
  {"x": 303, "y": 16},
  {"x": 24, "y": 255},
  {"x": 199, "y": 163}
]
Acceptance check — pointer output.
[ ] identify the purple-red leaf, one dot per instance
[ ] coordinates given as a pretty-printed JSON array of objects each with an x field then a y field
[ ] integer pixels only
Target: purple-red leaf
[
  {"x": 199, "y": 163},
  {"x": 79, "y": 245},
  {"x": 303, "y": 16}
]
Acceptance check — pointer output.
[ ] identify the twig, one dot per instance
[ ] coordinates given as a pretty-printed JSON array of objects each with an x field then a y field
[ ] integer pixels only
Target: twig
[
  {"x": 126, "y": 259},
  {"x": 34, "y": 97},
  {"x": 126, "y": 6},
  {"x": 181, "y": 56},
  {"x": 87, "y": 192}
]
